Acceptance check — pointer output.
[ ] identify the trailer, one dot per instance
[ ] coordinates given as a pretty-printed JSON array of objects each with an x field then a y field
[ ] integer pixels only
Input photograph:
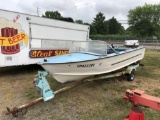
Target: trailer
[
  {"x": 25, "y": 39},
  {"x": 43, "y": 87}
]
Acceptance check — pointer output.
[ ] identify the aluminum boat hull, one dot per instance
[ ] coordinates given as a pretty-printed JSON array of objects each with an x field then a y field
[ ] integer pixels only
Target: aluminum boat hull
[{"x": 72, "y": 71}]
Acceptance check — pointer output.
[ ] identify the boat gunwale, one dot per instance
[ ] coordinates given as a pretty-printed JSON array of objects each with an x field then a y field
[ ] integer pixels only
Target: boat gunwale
[{"x": 102, "y": 57}]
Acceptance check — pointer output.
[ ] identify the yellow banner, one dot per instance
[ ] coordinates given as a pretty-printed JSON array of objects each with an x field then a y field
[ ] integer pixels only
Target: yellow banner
[{"x": 10, "y": 41}]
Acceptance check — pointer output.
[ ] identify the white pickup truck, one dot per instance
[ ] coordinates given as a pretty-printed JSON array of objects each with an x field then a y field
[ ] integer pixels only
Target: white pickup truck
[{"x": 131, "y": 43}]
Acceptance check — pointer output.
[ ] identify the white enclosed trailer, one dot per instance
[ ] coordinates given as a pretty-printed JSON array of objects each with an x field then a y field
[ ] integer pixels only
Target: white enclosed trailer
[{"x": 25, "y": 39}]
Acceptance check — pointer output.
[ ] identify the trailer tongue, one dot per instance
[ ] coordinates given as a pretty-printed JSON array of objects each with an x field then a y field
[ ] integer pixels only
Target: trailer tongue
[
  {"x": 138, "y": 97},
  {"x": 44, "y": 88}
]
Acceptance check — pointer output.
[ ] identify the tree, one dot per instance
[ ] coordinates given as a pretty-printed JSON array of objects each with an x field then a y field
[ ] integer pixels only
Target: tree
[
  {"x": 106, "y": 27},
  {"x": 79, "y": 21},
  {"x": 145, "y": 20},
  {"x": 53, "y": 15},
  {"x": 57, "y": 15},
  {"x": 99, "y": 23},
  {"x": 115, "y": 27},
  {"x": 128, "y": 30},
  {"x": 92, "y": 29},
  {"x": 144, "y": 28},
  {"x": 68, "y": 19}
]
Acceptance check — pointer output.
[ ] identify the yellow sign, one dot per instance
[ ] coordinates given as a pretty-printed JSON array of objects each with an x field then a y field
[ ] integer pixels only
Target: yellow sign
[{"x": 10, "y": 41}]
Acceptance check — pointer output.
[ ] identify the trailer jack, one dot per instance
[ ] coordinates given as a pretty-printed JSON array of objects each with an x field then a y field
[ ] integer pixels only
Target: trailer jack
[
  {"x": 43, "y": 86},
  {"x": 138, "y": 97}
]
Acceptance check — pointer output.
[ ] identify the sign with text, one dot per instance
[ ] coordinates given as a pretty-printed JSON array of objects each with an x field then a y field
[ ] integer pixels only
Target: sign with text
[
  {"x": 10, "y": 41},
  {"x": 46, "y": 53}
]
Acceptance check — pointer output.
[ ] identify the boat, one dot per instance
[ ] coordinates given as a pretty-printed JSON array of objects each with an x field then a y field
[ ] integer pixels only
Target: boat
[{"x": 90, "y": 58}]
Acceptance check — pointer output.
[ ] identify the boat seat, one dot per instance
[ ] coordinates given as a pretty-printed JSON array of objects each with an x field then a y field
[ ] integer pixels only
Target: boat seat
[{"x": 110, "y": 51}]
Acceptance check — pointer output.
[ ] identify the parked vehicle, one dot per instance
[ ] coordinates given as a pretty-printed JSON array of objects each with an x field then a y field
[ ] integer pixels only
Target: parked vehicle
[
  {"x": 25, "y": 39},
  {"x": 131, "y": 43}
]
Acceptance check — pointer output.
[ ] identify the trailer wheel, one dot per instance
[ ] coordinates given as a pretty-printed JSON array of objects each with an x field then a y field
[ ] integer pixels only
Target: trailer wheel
[{"x": 131, "y": 76}]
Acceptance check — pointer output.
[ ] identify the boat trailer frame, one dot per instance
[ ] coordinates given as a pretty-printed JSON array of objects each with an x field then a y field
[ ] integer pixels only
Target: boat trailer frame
[{"x": 47, "y": 94}]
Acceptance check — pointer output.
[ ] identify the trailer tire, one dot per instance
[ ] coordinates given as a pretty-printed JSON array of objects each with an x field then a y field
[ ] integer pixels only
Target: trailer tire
[{"x": 131, "y": 76}]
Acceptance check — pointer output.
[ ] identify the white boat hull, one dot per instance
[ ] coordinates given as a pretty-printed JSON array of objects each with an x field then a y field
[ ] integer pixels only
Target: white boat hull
[{"x": 64, "y": 72}]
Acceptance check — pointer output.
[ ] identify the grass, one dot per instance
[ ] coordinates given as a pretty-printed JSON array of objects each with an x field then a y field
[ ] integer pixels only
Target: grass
[
  {"x": 97, "y": 100},
  {"x": 152, "y": 65}
]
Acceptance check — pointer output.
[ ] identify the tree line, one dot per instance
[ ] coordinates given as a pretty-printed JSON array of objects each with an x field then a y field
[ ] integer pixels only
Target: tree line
[{"x": 143, "y": 21}]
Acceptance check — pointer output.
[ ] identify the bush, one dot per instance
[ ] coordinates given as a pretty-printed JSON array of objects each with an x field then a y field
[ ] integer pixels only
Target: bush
[{"x": 117, "y": 37}]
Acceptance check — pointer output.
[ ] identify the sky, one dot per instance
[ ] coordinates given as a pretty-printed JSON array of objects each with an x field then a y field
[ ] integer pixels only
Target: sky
[{"x": 84, "y": 10}]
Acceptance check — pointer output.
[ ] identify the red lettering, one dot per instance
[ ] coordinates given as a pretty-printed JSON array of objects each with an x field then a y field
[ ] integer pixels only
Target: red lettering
[
  {"x": 22, "y": 36},
  {"x": 18, "y": 36},
  {"x": 2, "y": 41},
  {"x": 10, "y": 41},
  {"x": 14, "y": 39}
]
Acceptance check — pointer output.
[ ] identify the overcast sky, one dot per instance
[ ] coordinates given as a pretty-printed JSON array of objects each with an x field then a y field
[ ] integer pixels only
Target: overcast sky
[{"x": 85, "y": 10}]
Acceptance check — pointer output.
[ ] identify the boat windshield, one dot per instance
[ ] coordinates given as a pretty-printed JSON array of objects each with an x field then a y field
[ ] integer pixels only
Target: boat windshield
[{"x": 96, "y": 47}]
